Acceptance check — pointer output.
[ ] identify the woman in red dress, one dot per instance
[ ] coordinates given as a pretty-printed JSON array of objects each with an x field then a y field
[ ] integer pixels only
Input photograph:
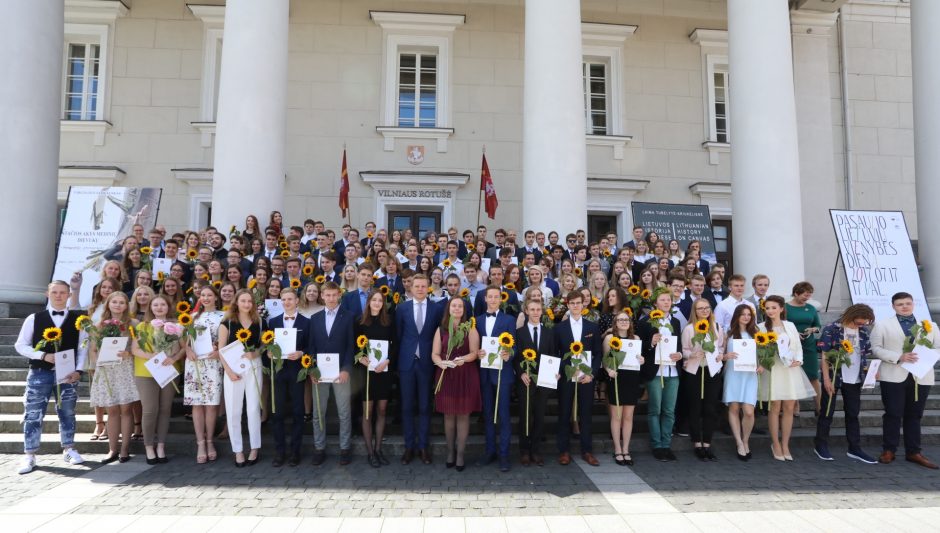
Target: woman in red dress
[{"x": 458, "y": 375}]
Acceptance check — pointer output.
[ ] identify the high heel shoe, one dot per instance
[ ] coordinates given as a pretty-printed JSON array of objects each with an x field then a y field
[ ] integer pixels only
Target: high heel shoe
[
  {"x": 99, "y": 434},
  {"x": 110, "y": 458},
  {"x": 788, "y": 457},
  {"x": 239, "y": 464},
  {"x": 777, "y": 457},
  {"x": 150, "y": 460},
  {"x": 252, "y": 462}
]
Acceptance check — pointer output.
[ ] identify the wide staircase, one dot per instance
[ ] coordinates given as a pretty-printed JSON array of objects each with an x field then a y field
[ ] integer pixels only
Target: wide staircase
[{"x": 13, "y": 370}]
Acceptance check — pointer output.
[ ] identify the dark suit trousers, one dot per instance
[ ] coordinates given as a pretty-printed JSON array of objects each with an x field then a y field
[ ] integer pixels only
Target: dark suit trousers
[
  {"x": 702, "y": 414},
  {"x": 488, "y": 391},
  {"x": 288, "y": 399},
  {"x": 852, "y": 403},
  {"x": 900, "y": 409},
  {"x": 416, "y": 396},
  {"x": 538, "y": 399},
  {"x": 566, "y": 391}
]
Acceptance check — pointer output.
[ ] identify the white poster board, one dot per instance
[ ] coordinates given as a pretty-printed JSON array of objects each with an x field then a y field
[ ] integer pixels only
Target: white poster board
[{"x": 878, "y": 259}]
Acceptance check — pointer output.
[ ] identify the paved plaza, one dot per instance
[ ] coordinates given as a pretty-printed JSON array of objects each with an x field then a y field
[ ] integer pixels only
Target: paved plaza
[{"x": 765, "y": 495}]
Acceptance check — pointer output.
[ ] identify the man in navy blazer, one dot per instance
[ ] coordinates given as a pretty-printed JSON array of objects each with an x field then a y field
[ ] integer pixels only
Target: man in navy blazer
[
  {"x": 415, "y": 323},
  {"x": 576, "y": 328},
  {"x": 288, "y": 393},
  {"x": 354, "y": 301},
  {"x": 496, "y": 280},
  {"x": 396, "y": 285},
  {"x": 331, "y": 332},
  {"x": 494, "y": 323}
]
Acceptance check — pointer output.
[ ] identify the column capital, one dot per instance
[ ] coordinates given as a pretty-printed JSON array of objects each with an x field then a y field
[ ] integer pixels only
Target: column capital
[{"x": 808, "y": 22}]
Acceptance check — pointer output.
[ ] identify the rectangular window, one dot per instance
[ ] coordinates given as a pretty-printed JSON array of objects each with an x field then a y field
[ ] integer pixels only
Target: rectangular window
[
  {"x": 417, "y": 90},
  {"x": 720, "y": 104},
  {"x": 595, "y": 98},
  {"x": 81, "y": 84}
]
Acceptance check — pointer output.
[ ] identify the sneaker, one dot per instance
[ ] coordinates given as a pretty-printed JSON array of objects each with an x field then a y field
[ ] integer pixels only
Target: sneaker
[
  {"x": 859, "y": 455},
  {"x": 27, "y": 464},
  {"x": 72, "y": 457},
  {"x": 822, "y": 451}
]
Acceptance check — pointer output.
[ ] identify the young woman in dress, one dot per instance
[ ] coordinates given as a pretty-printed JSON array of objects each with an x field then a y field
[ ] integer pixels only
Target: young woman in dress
[
  {"x": 310, "y": 300},
  {"x": 157, "y": 402},
  {"x": 702, "y": 388},
  {"x": 740, "y": 388},
  {"x": 226, "y": 296},
  {"x": 143, "y": 278},
  {"x": 233, "y": 275},
  {"x": 806, "y": 319},
  {"x": 132, "y": 265},
  {"x": 140, "y": 302},
  {"x": 627, "y": 383},
  {"x": 216, "y": 272},
  {"x": 460, "y": 388},
  {"x": 786, "y": 384},
  {"x": 113, "y": 387},
  {"x": 252, "y": 228},
  {"x": 376, "y": 324},
  {"x": 202, "y": 377},
  {"x": 349, "y": 279},
  {"x": 243, "y": 390},
  {"x": 172, "y": 289},
  {"x": 598, "y": 286}
]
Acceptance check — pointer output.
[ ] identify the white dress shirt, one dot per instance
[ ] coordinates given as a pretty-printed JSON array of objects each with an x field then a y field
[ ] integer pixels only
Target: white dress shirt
[
  {"x": 24, "y": 346},
  {"x": 330, "y": 318}
]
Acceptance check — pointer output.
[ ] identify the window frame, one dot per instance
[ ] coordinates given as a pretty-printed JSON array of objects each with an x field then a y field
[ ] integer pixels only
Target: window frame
[
  {"x": 586, "y": 63},
  {"x": 419, "y": 53},
  {"x": 717, "y": 64},
  {"x": 714, "y": 50},
  {"x": 87, "y": 34},
  {"x": 604, "y": 43}
]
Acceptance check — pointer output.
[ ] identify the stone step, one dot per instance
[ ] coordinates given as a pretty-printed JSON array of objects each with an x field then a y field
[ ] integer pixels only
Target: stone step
[
  {"x": 17, "y": 388},
  {"x": 11, "y": 322}
]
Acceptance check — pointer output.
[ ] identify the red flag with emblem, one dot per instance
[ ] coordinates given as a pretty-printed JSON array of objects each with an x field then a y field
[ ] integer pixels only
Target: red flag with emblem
[
  {"x": 344, "y": 188},
  {"x": 489, "y": 191}
]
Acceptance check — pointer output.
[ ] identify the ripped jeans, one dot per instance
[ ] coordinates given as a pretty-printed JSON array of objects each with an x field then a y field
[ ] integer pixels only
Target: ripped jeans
[{"x": 40, "y": 388}]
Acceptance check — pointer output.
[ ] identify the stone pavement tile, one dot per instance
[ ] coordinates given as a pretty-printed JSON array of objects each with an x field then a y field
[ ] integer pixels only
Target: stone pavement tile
[
  {"x": 320, "y": 525},
  {"x": 448, "y": 524},
  {"x": 277, "y": 525},
  {"x": 107, "y": 523},
  {"x": 766, "y": 521},
  {"x": 43, "y": 505},
  {"x": 605, "y": 523},
  {"x": 713, "y": 522},
  {"x": 25, "y": 522},
  {"x": 525, "y": 524},
  {"x": 567, "y": 524},
  {"x": 838, "y": 520},
  {"x": 235, "y": 524},
  {"x": 361, "y": 525},
  {"x": 65, "y": 523},
  {"x": 474, "y": 524},
  {"x": 403, "y": 525},
  {"x": 51, "y": 472},
  {"x": 658, "y": 523},
  {"x": 891, "y": 518},
  {"x": 630, "y": 505}
]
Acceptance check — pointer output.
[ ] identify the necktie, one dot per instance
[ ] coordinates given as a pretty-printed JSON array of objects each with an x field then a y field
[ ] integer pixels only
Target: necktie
[
  {"x": 58, "y": 313},
  {"x": 419, "y": 319},
  {"x": 535, "y": 337}
]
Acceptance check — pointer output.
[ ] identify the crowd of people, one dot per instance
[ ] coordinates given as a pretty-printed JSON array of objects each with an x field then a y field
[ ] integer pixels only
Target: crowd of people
[{"x": 455, "y": 324}]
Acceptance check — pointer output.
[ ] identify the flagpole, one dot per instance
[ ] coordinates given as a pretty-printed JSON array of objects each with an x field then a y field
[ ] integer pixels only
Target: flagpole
[
  {"x": 480, "y": 198},
  {"x": 348, "y": 203}
]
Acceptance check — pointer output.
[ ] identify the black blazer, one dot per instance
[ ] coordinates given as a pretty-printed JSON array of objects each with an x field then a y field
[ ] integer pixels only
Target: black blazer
[
  {"x": 546, "y": 345},
  {"x": 590, "y": 336},
  {"x": 340, "y": 340},
  {"x": 302, "y": 324},
  {"x": 646, "y": 331}
]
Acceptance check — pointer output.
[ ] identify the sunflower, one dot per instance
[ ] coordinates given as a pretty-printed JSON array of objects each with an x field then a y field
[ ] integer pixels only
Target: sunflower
[
  {"x": 191, "y": 253},
  {"x": 242, "y": 335},
  {"x": 506, "y": 340},
  {"x": 161, "y": 276},
  {"x": 847, "y": 346},
  {"x": 585, "y": 311},
  {"x": 183, "y": 307},
  {"x": 446, "y": 263},
  {"x": 510, "y": 286},
  {"x": 82, "y": 322},
  {"x": 217, "y": 284},
  {"x": 369, "y": 234},
  {"x": 550, "y": 314},
  {"x": 529, "y": 354},
  {"x": 473, "y": 322},
  {"x": 578, "y": 272},
  {"x": 504, "y": 296},
  {"x": 319, "y": 279},
  {"x": 464, "y": 292},
  {"x": 701, "y": 326},
  {"x": 252, "y": 283},
  {"x": 295, "y": 283},
  {"x": 185, "y": 319},
  {"x": 926, "y": 325},
  {"x": 285, "y": 254},
  {"x": 131, "y": 332},
  {"x": 146, "y": 250},
  {"x": 628, "y": 311},
  {"x": 362, "y": 341},
  {"x": 267, "y": 337},
  {"x": 771, "y": 337},
  {"x": 615, "y": 344},
  {"x": 606, "y": 253},
  {"x": 633, "y": 290},
  {"x": 306, "y": 361},
  {"x": 471, "y": 247},
  {"x": 226, "y": 308},
  {"x": 595, "y": 301},
  {"x": 436, "y": 247},
  {"x": 396, "y": 298},
  {"x": 308, "y": 270},
  {"x": 205, "y": 277},
  {"x": 282, "y": 245},
  {"x": 576, "y": 348},
  {"x": 761, "y": 339},
  {"x": 384, "y": 290},
  {"x": 656, "y": 314},
  {"x": 52, "y": 334},
  {"x": 646, "y": 294}
]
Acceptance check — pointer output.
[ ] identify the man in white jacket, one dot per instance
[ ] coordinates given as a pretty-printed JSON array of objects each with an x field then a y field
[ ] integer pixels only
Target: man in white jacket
[{"x": 897, "y": 384}]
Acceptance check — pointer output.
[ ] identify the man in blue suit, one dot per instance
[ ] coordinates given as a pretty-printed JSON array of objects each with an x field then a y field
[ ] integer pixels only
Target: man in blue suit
[
  {"x": 494, "y": 323},
  {"x": 573, "y": 329},
  {"x": 355, "y": 301},
  {"x": 331, "y": 332},
  {"x": 496, "y": 280},
  {"x": 286, "y": 385},
  {"x": 415, "y": 323}
]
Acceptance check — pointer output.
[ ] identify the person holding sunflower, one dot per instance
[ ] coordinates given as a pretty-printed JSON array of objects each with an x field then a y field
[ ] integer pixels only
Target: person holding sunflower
[
  {"x": 702, "y": 339},
  {"x": 533, "y": 340},
  {"x": 243, "y": 324},
  {"x": 740, "y": 387},
  {"x": 662, "y": 381},
  {"x": 577, "y": 331},
  {"x": 288, "y": 392},
  {"x": 849, "y": 333},
  {"x": 622, "y": 401},
  {"x": 202, "y": 376},
  {"x": 496, "y": 385},
  {"x": 376, "y": 324},
  {"x": 42, "y": 335}
]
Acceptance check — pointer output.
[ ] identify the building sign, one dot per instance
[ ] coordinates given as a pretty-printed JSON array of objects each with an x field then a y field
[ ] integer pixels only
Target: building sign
[
  {"x": 878, "y": 259},
  {"x": 97, "y": 219},
  {"x": 684, "y": 223},
  {"x": 415, "y": 193}
]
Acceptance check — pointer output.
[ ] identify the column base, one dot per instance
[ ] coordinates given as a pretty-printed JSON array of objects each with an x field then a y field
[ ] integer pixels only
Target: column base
[{"x": 15, "y": 294}]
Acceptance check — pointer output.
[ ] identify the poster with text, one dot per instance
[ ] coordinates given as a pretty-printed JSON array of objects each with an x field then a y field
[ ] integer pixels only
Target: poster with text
[
  {"x": 878, "y": 259},
  {"x": 681, "y": 222},
  {"x": 97, "y": 220}
]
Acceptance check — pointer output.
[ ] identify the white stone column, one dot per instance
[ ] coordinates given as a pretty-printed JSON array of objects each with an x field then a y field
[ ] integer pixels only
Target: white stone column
[
  {"x": 30, "y": 105},
  {"x": 925, "y": 41},
  {"x": 811, "y": 32},
  {"x": 765, "y": 162},
  {"x": 250, "y": 160},
  {"x": 554, "y": 178}
]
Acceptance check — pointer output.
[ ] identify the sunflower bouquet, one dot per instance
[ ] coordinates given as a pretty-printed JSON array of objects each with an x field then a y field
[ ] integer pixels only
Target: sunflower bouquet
[
  {"x": 257, "y": 292},
  {"x": 612, "y": 361},
  {"x": 575, "y": 353},
  {"x": 159, "y": 336},
  {"x": 365, "y": 348},
  {"x": 275, "y": 358},
  {"x": 918, "y": 337},
  {"x": 448, "y": 266},
  {"x": 456, "y": 333},
  {"x": 52, "y": 336},
  {"x": 146, "y": 262},
  {"x": 504, "y": 304},
  {"x": 704, "y": 338},
  {"x": 557, "y": 307},
  {"x": 529, "y": 366},
  {"x": 767, "y": 351},
  {"x": 309, "y": 369},
  {"x": 506, "y": 342},
  {"x": 841, "y": 356}
]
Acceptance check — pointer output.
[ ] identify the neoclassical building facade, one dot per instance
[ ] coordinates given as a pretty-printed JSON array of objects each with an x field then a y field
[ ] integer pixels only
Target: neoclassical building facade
[{"x": 770, "y": 112}]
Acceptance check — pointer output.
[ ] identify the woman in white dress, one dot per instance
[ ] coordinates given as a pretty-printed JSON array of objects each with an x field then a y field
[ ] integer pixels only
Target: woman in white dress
[
  {"x": 202, "y": 378},
  {"x": 786, "y": 383}
]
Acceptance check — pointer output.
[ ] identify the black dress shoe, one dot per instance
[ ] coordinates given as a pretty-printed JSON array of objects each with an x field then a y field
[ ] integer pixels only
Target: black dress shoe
[
  {"x": 667, "y": 453},
  {"x": 163, "y": 460},
  {"x": 486, "y": 460},
  {"x": 278, "y": 461},
  {"x": 460, "y": 468},
  {"x": 124, "y": 459},
  {"x": 252, "y": 462},
  {"x": 294, "y": 459},
  {"x": 153, "y": 461},
  {"x": 426, "y": 456},
  {"x": 408, "y": 456},
  {"x": 373, "y": 461},
  {"x": 659, "y": 454},
  {"x": 240, "y": 465},
  {"x": 450, "y": 464},
  {"x": 319, "y": 456},
  {"x": 109, "y": 459},
  {"x": 710, "y": 455},
  {"x": 381, "y": 457},
  {"x": 345, "y": 457},
  {"x": 700, "y": 453}
]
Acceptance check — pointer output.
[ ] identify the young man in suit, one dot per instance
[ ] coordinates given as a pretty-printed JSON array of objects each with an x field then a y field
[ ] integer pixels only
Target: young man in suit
[
  {"x": 415, "y": 323},
  {"x": 331, "y": 332},
  {"x": 761, "y": 284},
  {"x": 897, "y": 384},
  {"x": 532, "y": 335},
  {"x": 355, "y": 301},
  {"x": 573, "y": 329},
  {"x": 494, "y": 323},
  {"x": 41, "y": 381},
  {"x": 288, "y": 393},
  {"x": 496, "y": 280}
]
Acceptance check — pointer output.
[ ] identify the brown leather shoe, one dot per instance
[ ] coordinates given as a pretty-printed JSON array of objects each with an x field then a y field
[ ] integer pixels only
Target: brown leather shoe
[
  {"x": 407, "y": 457},
  {"x": 425, "y": 454},
  {"x": 590, "y": 459},
  {"x": 526, "y": 459},
  {"x": 538, "y": 459},
  {"x": 918, "y": 458},
  {"x": 887, "y": 457},
  {"x": 564, "y": 458}
]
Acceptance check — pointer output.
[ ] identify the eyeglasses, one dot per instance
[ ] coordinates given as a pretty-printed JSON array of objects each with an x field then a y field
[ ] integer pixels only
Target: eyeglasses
[{"x": 623, "y": 320}]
